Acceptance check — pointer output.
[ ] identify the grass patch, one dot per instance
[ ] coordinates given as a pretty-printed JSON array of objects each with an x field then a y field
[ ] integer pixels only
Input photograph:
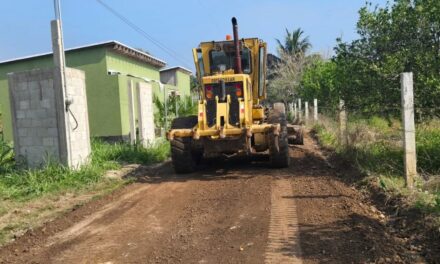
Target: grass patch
[
  {"x": 375, "y": 147},
  {"x": 26, "y": 195},
  {"x": 18, "y": 184}
]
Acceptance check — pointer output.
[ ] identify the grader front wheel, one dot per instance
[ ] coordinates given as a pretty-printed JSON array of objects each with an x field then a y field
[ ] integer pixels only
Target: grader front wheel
[{"x": 183, "y": 155}]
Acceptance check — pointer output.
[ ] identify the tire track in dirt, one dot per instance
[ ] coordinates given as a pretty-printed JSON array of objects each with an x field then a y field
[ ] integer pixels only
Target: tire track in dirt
[
  {"x": 227, "y": 212},
  {"x": 283, "y": 240}
]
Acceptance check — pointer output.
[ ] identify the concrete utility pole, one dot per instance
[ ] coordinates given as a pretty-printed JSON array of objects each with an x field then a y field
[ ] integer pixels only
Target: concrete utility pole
[
  {"x": 306, "y": 111},
  {"x": 315, "y": 110},
  {"x": 295, "y": 111},
  {"x": 131, "y": 114},
  {"x": 342, "y": 123},
  {"x": 59, "y": 60},
  {"x": 409, "y": 131}
]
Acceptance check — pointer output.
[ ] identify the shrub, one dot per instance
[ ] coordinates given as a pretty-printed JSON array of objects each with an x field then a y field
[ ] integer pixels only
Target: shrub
[{"x": 6, "y": 156}]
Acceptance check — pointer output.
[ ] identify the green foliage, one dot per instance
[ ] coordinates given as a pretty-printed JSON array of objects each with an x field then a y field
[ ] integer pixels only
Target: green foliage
[
  {"x": 318, "y": 81},
  {"x": 285, "y": 76},
  {"x": 327, "y": 138},
  {"x": 125, "y": 153},
  {"x": 401, "y": 36},
  {"x": 428, "y": 147},
  {"x": 20, "y": 184},
  {"x": 185, "y": 107},
  {"x": 194, "y": 84},
  {"x": 393, "y": 39},
  {"x": 6, "y": 156},
  {"x": 375, "y": 148},
  {"x": 294, "y": 43}
]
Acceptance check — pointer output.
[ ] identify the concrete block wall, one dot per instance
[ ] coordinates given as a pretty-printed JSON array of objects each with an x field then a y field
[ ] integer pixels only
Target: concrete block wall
[
  {"x": 145, "y": 113},
  {"x": 35, "y": 118},
  {"x": 78, "y": 118}
]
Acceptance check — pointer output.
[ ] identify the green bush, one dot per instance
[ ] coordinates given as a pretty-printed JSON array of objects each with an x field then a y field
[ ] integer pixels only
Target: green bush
[
  {"x": 428, "y": 147},
  {"x": 6, "y": 156},
  {"x": 185, "y": 107}
]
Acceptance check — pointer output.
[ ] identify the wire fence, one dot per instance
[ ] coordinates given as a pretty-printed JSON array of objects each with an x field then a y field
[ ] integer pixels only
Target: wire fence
[{"x": 374, "y": 139}]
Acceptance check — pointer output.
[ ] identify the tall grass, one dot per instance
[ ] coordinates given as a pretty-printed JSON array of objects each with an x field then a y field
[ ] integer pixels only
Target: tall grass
[
  {"x": 21, "y": 184},
  {"x": 375, "y": 146}
]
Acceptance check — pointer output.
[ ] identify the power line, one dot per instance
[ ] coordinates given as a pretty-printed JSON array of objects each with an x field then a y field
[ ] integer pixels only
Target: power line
[{"x": 142, "y": 32}]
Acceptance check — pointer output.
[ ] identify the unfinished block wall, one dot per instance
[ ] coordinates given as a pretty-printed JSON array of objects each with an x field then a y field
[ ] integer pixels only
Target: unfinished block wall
[
  {"x": 145, "y": 113},
  {"x": 40, "y": 135}
]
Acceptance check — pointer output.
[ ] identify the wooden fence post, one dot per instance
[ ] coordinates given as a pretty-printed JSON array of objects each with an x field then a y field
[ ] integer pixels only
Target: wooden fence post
[
  {"x": 342, "y": 123},
  {"x": 315, "y": 110},
  {"x": 409, "y": 131}
]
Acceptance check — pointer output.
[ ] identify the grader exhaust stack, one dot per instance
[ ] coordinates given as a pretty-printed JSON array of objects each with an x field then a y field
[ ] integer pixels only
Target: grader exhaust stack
[{"x": 238, "y": 69}]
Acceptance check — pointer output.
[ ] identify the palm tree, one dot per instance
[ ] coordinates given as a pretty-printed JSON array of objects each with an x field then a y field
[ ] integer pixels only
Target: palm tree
[{"x": 294, "y": 42}]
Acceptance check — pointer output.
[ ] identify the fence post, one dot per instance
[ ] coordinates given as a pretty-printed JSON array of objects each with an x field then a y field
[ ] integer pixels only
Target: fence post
[
  {"x": 131, "y": 114},
  {"x": 409, "y": 131},
  {"x": 295, "y": 111},
  {"x": 299, "y": 110},
  {"x": 315, "y": 110},
  {"x": 306, "y": 112},
  {"x": 342, "y": 123}
]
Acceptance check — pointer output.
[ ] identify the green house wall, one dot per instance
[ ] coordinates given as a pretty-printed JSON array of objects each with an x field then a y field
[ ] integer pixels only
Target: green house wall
[
  {"x": 183, "y": 82},
  {"x": 107, "y": 95},
  {"x": 102, "y": 89}
]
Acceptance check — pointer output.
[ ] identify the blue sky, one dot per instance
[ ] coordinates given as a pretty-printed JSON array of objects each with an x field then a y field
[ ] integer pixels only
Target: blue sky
[{"x": 179, "y": 24}]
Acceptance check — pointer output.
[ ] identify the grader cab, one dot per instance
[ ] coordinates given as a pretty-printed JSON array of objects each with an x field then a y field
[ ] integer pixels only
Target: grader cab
[{"x": 231, "y": 119}]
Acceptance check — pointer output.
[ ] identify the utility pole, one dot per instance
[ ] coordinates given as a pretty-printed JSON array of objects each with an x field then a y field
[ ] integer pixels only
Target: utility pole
[{"x": 59, "y": 60}]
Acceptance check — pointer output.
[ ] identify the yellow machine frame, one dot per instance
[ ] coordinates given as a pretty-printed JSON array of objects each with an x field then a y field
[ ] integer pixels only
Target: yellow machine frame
[{"x": 251, "y": 113}]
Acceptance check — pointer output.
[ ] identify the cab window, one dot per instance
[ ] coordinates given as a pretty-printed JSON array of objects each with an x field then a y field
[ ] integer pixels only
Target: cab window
[{"x": 221, "y": 60}]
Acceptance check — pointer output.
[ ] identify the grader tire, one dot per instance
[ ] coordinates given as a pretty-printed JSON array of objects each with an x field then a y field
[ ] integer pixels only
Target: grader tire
[
  {"x": 280, "y": 107},
  {"x": 299, "y": 137},
  {"x": 184, "y": 158},
  {"x": 278, "y": 145},
  {"x": 296, "y": 135}
]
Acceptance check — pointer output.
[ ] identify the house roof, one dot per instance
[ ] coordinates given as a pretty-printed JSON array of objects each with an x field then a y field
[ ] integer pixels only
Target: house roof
[
  {"x": 115, "y": 46},
  {"x": 177, "y": 68}
]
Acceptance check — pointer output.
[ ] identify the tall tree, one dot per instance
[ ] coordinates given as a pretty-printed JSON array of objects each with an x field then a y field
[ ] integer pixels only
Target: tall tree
[
  {"x": 294, "y": 43},
  {"x": 403, "y": 36}
]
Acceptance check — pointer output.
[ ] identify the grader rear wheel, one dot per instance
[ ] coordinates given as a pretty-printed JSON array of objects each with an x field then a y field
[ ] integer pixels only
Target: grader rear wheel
[{"x": 278, "y": 144}]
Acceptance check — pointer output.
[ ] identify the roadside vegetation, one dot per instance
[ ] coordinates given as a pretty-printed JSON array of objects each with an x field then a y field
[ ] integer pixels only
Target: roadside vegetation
[
  {"x": 399, "y": 36},
  {"x": 375, "y": 148},
  {"x": 176, "y": 106},
  {"x": 28, "y": 197}
]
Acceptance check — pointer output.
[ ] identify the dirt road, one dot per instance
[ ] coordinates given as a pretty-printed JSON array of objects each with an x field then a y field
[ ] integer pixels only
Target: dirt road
[{"x": 226, "y": 213}]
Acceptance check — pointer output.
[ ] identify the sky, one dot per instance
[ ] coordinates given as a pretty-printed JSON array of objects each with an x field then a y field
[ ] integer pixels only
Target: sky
[{"x": 179, "y": 25}]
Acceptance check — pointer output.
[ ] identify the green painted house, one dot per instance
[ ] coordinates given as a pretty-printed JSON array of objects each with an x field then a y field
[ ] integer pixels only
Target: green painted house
[
  {"x": 108, "y": 66},
  {"x": 177, "y": 77}
]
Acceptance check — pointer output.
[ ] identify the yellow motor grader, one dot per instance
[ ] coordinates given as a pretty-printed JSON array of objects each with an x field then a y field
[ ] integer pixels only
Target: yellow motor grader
[{"x": 231, "y": 119}]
